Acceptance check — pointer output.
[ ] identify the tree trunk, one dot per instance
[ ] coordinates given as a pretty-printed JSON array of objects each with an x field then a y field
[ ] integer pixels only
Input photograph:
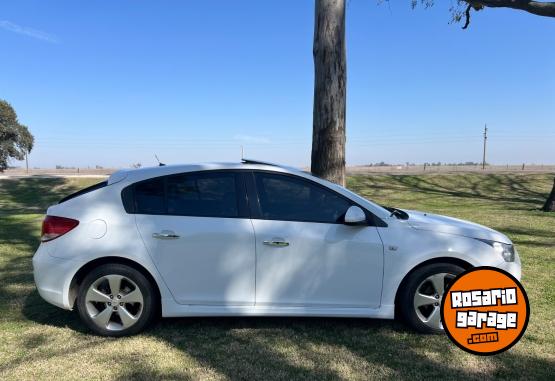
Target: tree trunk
[
  {"x": 549, "y": 205},
  {"x": 330, "y": 91}
]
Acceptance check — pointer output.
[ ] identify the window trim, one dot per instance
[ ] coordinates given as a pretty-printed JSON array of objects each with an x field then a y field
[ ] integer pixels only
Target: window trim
[
  {"x": 248, "y": 201},
  {"x": 256, "y": 211},
  {"x": 129, "y": 201}
]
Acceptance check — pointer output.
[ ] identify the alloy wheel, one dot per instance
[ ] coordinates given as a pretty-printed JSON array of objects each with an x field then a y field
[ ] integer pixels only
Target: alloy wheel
[
  {"x": 114, "y": 302},
  {"x": 428, "y": 297}
]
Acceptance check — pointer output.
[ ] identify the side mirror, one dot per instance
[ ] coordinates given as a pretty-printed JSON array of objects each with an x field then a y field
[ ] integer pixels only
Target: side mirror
[{"x": 355, "y": 216}]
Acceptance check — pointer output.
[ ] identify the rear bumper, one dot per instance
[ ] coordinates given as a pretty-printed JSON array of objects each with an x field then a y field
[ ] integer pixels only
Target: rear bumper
[{"x": 53, "y": 277}]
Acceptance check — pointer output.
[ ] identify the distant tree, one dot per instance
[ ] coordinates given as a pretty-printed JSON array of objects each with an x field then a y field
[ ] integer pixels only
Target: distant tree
[{"x": 15, "y": 138}]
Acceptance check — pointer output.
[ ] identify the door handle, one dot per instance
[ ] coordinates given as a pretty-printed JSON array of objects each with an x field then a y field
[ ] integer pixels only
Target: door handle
[
  {"x": 276, "y": 243},
  {"x": 165, "y": 234}
]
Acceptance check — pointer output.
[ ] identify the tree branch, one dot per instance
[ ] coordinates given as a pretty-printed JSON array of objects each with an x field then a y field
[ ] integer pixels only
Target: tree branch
[
  {"x": 539, "y": 8},
  {"x": 467, "y": 15}
]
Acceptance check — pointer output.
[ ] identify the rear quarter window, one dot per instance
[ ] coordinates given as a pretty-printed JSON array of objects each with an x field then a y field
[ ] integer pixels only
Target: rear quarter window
[{"x": 149, "y": 197}]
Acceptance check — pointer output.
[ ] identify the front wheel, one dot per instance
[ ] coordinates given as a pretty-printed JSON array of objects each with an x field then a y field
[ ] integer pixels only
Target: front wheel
[
  {"x": 421, "y": 296},
  {"x": 116, "y": 300}
]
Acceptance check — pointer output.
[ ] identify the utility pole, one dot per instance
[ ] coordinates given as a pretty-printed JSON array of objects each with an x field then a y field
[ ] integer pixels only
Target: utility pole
[
  {"x": 27, "y": 162},
  {"x": 485, "y": 140},
  {"x": 242, "y": 153}
]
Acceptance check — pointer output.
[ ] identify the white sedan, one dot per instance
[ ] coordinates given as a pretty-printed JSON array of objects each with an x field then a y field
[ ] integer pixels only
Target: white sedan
[{"x": 249, "y": 238}]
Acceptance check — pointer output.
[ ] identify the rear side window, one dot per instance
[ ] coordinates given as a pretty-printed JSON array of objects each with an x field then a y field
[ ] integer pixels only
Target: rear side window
[
  {"x": 200, "y": 194},
  {"x": 203, "y": 194},
  {"x": 291, "y": 199}
]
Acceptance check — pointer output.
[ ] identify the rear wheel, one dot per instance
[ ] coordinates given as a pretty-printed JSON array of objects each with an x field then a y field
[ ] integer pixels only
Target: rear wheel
[
  {"x": 116, "y": 300},
  {"x": 420, "y": 299}
]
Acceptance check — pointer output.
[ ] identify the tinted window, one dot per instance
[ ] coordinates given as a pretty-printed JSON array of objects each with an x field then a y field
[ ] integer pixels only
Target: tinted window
[
  {"x": 288, "y": 198},
  {"x": 149, "y": 197},
  {"x": 202, "y": 194}
]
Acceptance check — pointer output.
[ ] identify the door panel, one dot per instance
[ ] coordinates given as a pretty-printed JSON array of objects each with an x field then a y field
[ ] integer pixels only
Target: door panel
[
  {"x": 323, "y": 265},
  {"x": 305, "y": 255},
  {"x": 212, "y": 261},
  {"x": 197, "y": 230}
]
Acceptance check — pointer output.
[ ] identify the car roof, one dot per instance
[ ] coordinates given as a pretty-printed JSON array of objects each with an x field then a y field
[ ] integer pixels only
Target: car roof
[{"x": 133, "y": 175}]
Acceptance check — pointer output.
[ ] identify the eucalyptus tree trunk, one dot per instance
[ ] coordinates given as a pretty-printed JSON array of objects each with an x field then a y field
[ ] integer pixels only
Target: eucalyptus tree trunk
[
  {"x": 549, "y": 205},
  {"x": 330, "y": 91}
]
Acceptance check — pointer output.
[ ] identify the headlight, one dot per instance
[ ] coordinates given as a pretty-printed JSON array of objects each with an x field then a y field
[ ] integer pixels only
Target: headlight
[{"x": 504, "y": 249}]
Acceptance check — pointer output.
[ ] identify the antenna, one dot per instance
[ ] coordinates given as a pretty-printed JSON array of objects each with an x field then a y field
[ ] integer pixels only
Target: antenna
[{"x": 160, "y": 164}]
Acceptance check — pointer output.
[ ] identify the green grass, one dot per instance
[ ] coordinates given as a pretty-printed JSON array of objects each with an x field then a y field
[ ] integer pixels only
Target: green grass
[{"x": 39, "y": 341}]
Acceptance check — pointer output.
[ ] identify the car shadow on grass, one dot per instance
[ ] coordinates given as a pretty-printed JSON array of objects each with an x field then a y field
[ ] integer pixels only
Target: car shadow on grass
[
  {"x": 41, "y": 312},
  {"x": 31, "y": 195},
  {"x": 279, "y": 348}
]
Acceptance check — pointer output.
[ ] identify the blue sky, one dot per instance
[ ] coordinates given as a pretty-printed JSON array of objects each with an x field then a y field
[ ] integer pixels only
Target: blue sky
[{"x": 112, "y": 82}]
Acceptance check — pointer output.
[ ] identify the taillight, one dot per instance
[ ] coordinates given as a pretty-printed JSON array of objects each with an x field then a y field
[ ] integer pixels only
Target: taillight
[{"x": 54, "y": 227}]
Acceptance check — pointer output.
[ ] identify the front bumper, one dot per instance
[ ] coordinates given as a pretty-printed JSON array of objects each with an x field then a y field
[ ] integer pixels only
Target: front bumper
[{"x": 53, "y": 277}]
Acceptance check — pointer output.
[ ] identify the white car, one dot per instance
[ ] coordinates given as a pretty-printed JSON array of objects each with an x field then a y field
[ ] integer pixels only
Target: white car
[{"x": 252, "y": 239}]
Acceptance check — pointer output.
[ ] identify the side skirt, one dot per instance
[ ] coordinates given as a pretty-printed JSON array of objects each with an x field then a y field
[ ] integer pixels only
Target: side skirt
[{"x": 171, "y": 309}]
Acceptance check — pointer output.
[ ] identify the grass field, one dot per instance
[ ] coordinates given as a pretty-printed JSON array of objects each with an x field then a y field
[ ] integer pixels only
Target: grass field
[{"x": 39, "y": 341}]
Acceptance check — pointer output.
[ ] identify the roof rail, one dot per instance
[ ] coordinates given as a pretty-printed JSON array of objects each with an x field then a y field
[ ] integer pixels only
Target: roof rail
[
  {"x": 292, "y": 169},
  {"x": 249, "y": 161}
]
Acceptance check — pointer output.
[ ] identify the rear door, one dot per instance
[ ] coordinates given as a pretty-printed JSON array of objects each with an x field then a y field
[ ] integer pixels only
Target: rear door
[{"x": 198, "y": 232}]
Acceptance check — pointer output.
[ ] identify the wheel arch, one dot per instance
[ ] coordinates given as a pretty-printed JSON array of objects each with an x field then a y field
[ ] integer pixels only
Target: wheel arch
[
  {"x": 86, "y": 268},
  {"x": 451, "y": 260}
]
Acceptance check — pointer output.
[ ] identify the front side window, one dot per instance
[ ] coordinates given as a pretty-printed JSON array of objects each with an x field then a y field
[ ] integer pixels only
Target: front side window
[
  {"x": 293, "y": 199},
  {"x": 202, "y": 194}
]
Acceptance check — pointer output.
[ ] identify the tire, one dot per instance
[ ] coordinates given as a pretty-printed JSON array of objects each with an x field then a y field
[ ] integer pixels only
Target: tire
[
  {"x": 422, "y": 311},
  {"x": 124, "y": 312}
]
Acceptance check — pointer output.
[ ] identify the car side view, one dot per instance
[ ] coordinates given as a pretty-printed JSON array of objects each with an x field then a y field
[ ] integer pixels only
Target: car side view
[{"x": 249, "y": 238}]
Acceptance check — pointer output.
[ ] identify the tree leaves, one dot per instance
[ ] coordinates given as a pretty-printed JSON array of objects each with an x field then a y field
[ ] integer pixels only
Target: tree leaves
[{"x": 15, "y": 138}]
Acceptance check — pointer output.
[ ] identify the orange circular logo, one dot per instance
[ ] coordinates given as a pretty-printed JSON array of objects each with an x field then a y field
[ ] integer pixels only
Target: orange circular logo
[{"x": 485, "y": 311}]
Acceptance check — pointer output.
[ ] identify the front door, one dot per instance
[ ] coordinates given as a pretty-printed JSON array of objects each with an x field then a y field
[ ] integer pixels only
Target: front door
[{"x": 305, "y": 255}]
